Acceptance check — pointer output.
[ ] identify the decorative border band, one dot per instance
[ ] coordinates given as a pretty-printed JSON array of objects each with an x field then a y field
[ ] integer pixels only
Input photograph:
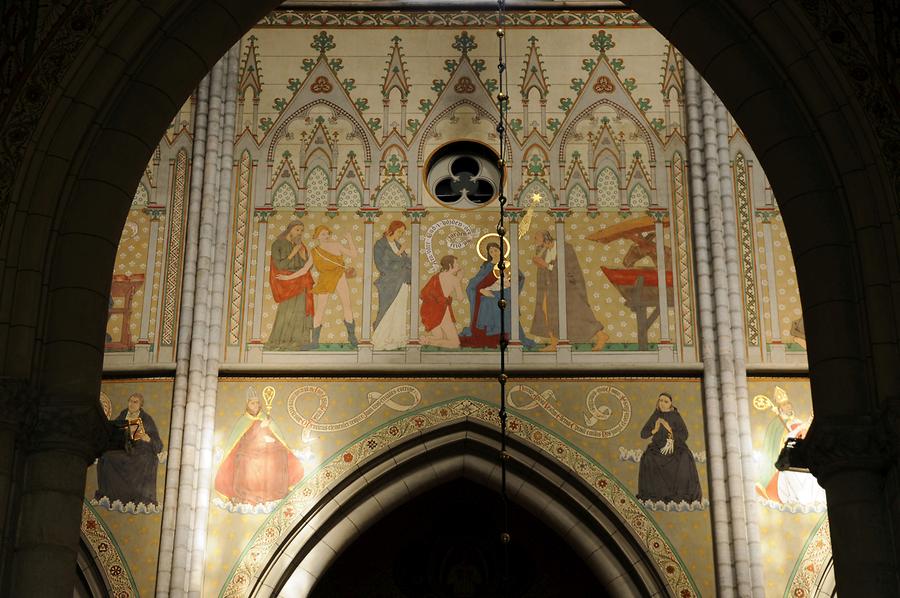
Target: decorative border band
[
  {"x": 297, "y": 18},
  {"x": 280, "y": 523}
]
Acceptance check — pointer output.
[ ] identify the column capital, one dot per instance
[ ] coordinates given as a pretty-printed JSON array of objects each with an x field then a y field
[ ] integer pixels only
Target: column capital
[
  {"x": 560, "y": 213},
  {"x": 836, "y": 444},
  {"x": 155, "y": 211},
  {"x": 262, "y": 214},
  {"x": 368, "y": 214},
  {"x": 72, "y": 427},
  {"x": 658, "y": 213},
  {"x": 41, "y": 424},
  {"x": 18, "y": 406},
  {"x": 415, "y": 214},
  {"x": 766, "y": 214},
  {"x": 514, "y": 215}
]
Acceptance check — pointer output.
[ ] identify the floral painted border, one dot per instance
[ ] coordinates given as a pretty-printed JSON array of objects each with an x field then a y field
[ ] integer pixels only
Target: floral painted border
[
  {"x": 107, "y": 554},
  {"x": 299, "y": 18},
  {"x": 303, "y": 497},
  {"x": 812, "y": 562}
]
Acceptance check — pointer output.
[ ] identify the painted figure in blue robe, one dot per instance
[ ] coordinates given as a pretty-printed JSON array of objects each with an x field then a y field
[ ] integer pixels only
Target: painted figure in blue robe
[
  {"x": 484, "y": 296},
  {"x": 394, "y": 274}
]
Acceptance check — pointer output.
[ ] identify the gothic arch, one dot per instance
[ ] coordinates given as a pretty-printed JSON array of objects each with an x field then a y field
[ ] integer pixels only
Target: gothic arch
[
  {"x": 464, "y": 449},
  {"x": 772, "y": 67},
  {"x": 647, "y": 137},
  {"x": 362, "y": 131}
]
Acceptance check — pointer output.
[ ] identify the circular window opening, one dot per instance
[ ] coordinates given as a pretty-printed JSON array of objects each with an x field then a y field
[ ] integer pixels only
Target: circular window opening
[{"x": 463, "y": 174}]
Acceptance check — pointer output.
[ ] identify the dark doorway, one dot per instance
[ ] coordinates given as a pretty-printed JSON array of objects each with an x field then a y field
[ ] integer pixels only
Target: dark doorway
[{"x": 445, "y": 544}]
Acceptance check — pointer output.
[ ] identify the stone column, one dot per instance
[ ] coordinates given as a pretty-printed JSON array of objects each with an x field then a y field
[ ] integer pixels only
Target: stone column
[
  {"x": 142, "y": 347},
  {"x": 254, "y": 351},
  {"x": 665, "y": 349},
  {"x": 18, "y": 409},
  {"x": 216, "y": 320},
  {"x": 719, "y": 497},
  {"x": 563, "y": 347},
  {"x": 178, "y": 582},
  {"x": 854, "y": 457},
  {"x": 183, "y": 342},
  {"x": 514, "y": 353},
  {"x": 414, "y": 348},
  {"x": 725, "y": 350},
  {"x": 739, "y": 344},
  {"x": 776, "y": 346},
  {"x": 365, "y": 343},
  {"x": 64, "y": 436}
]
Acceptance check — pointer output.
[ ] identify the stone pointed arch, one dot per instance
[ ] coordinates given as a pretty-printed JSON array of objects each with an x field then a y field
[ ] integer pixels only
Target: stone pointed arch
[
  {"x": 607, "y": 185},
  {"x": 285, "y": 196},
  {"x": 317, "y": 183},
  {"x": 548, "y": 199},
  {"x": 459, "y": 439},
  {"x": 393, "y": 195}
]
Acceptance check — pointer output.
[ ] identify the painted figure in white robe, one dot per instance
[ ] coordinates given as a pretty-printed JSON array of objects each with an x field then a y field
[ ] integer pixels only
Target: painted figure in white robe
[{"x": 394, "y": 274}]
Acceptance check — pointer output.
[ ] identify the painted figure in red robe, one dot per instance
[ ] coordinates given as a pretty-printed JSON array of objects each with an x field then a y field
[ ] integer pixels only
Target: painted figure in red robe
[
  {"x": 437, "y": 305},
  {"x": 258, "y": 469}
]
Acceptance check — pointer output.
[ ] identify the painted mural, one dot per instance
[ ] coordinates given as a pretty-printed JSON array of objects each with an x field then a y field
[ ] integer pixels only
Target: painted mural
[
  {"x": 318, "y": 429},
  {"x": 341, "y": 215},
  {"x": 125, "y": 487},
  {"x": 791, "y": 504},
  {"x": 362, "y": 234}
]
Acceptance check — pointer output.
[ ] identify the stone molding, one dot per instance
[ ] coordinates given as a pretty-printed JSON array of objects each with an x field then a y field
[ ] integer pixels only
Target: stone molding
[
  {"x": 836, "y": 444},
  {"x": 18, "y": 406},
  {"x": 42, "y": 425}
]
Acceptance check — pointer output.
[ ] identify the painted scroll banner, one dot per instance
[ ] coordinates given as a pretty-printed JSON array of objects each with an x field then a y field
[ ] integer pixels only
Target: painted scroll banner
[
  {"x": 377, "y": 400},
  {"x": 594, "y": 412}
]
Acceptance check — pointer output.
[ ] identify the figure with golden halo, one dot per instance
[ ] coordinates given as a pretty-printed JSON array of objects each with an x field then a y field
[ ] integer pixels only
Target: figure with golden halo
[{"x": 484, "y": 296}]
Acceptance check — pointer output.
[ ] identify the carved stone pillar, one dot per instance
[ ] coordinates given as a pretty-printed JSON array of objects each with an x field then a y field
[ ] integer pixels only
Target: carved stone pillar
[
  {"x": 665, "y": 347},
  {"x": 563, "y": 347},
  {"x": 254, "y": 351},
  {"x": 514, "y": 354},
  {"x": 414, "y": 347},
  {"x": 855, "y": 459},
  {"x": 365, "y": 343},
  {"x": 142, "y": 347},
  {"x": 58, "y": 437}
]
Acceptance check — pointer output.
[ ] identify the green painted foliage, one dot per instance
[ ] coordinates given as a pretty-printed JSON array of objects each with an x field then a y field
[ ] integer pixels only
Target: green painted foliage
[
  {"x": 602, "y": 41},
  {"x": 323, "y": 42},
  {"x": 464, "y": 43}
]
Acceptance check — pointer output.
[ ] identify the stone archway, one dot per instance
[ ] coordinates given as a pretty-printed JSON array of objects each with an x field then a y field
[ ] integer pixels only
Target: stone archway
[
  {"x": 467, "y": 450},
  {"x": 78, "y": 141}
]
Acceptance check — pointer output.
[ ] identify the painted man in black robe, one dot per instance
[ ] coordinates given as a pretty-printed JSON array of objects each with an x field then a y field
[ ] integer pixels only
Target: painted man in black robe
[
  {"x": 667, "y": 472},
  {"x": 129, "y": 475}
]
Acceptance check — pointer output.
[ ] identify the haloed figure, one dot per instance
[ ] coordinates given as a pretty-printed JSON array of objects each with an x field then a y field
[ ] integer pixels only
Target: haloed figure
[
  {"x": 328, "y": 257},
  {"x": 667, "y": 471}
]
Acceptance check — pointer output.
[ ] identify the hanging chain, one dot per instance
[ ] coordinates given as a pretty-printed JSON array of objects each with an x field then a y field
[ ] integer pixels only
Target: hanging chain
[{"x": 503, "y": 106}]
